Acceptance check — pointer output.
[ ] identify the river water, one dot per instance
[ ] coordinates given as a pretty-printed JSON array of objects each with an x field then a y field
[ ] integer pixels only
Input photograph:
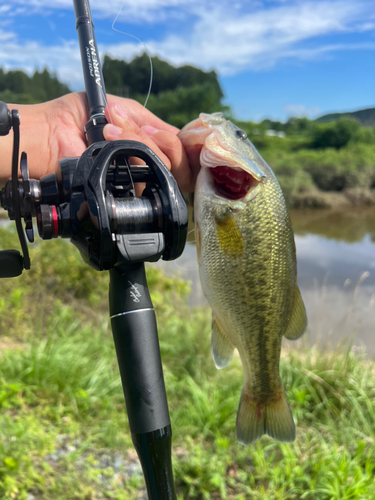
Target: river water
[{"x": 336, "y": 275}]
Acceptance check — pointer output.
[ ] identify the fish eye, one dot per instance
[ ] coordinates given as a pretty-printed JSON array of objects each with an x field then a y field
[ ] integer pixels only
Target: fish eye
[{"x": 241, "y": 134}]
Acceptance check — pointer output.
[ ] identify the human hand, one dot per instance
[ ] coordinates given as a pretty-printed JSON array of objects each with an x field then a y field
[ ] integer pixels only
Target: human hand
[
  {"x": 156, "y": 134},
  {"x": 54, "y": 130}
]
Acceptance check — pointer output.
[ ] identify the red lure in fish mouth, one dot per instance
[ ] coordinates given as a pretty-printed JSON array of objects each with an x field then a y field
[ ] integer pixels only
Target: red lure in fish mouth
[{"x": 232, "y": 183}]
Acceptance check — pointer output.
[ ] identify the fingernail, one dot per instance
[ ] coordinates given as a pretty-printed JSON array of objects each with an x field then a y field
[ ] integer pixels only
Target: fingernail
[
  {"x": 113, "y": 130},
  {"x": 120, "y": 112},
  {"x": 149, "y": 130}
]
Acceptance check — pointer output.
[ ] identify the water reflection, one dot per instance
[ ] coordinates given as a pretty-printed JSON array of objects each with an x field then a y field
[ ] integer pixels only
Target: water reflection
[
  {"x": 350, "y": 225},
  {"x": 336, "y": 274},
  {"x": 335, "y": 261}
]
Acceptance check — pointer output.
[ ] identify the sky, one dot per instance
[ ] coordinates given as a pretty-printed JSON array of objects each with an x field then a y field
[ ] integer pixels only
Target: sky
[{"x": 274, "y": 58}]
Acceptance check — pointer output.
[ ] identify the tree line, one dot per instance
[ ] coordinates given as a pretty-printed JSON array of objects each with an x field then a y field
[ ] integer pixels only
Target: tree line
[
  {"x": 178, "y": 94},
  {"x": 16, "y": 86}
]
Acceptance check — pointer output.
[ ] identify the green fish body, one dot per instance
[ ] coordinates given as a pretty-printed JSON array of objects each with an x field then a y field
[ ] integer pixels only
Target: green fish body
[{"x": 247, "y": 264}]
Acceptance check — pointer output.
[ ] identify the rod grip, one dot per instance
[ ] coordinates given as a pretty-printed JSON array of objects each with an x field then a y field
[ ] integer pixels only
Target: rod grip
[{"x": 136, "y": 340}]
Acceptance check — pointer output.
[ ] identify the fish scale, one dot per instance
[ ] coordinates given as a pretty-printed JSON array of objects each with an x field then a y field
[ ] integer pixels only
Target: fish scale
[{"x": 247, "y": 266}]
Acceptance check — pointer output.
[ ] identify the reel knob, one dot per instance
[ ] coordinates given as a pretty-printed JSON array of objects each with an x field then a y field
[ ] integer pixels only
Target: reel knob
[
  {"x": 5, "y": 119},
  {"x": 48, "y": 221},
  {"x": 11, "y": 264}
]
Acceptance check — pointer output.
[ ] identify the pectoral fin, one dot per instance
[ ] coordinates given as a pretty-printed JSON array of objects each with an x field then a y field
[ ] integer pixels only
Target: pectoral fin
[
  {"x": 298, "y": 321},
  {"x": 229, "y": 235},
  {"x": 221, "y": 347}
]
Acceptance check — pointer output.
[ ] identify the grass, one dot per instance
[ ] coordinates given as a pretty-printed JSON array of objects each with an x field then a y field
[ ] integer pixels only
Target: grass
[
  {"x": 324, "y": 177},
  {"x": 64, "y": 431}
]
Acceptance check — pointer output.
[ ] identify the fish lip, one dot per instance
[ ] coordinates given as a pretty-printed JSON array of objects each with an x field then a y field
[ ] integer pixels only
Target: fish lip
[{"x": 211, "y": 158}]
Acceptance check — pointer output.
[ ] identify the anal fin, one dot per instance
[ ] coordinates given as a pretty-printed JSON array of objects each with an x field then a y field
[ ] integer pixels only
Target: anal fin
[
  {"x": 221, "y": 347},
  {"x": 298, "y": 321}
]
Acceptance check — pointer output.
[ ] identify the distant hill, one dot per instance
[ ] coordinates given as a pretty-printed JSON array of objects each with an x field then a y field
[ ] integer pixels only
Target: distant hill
[{"x": 366, "y": 117}]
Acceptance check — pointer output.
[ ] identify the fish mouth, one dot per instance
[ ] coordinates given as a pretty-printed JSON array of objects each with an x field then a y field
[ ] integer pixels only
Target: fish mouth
[{"x": 232, "y": 183}]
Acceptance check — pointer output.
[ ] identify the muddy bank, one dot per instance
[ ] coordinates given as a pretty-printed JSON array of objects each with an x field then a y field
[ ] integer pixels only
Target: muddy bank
[{"x": 315, "y": 198}]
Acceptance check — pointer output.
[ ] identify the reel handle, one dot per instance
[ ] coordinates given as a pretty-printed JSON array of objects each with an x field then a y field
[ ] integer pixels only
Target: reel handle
[{"x": 12, "y": 262}]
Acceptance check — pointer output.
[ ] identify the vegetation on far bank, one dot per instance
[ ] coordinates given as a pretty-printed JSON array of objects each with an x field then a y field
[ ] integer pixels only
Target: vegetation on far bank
[
  {"x": 63, "y": 427},
  {"x": 319, "y": 165}
]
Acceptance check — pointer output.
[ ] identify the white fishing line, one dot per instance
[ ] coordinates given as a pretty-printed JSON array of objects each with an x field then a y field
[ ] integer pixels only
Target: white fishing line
[
  {"x": 183, "y": 268},
  {"x": 145, "y": 47},
  {"x": 146, "y": 50},
  {"x": 194, "y": 264}
]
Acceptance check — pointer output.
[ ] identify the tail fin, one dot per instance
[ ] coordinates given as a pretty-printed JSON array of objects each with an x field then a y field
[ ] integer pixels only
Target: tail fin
[{"x": 254, "y": 420}]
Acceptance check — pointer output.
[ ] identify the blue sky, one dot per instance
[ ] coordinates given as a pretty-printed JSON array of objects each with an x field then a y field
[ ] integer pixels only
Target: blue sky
[{"x": 274, "y": 58}]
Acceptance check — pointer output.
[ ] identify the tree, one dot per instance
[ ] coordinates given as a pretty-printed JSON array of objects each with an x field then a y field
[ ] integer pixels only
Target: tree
[
  {"x": 18, "y": 87},
  {"x": 136, "y": 76},
  {"x": 45, "y": 86},
  {"x": 335, "y": 134},
  {"x": 298, "y": 125},
  {"x": 178, "y": 94},
  {"x": 182, "y": 105}
]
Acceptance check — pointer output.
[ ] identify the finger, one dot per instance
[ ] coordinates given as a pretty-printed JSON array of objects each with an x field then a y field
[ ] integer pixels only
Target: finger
[
  {"x": 139, "y": 114},
  {"x": 193, "y": 157},
  {"x": 172, "y": 147},
  {"x": 192, "y": 138},
  {"x": 124, "y": 128}
]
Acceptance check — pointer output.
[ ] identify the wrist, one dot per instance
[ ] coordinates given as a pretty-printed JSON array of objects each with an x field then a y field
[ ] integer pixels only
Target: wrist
[
  {"x": 35, "y": 134},
  {"x": 33, "y": 127}
]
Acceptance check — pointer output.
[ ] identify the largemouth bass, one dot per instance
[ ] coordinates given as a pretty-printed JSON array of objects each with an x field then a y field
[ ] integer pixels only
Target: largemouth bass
[{"x": 247, "y": 265}]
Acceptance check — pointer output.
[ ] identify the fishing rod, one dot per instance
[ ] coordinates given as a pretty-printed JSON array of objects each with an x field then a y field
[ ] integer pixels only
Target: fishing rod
[{"x": 95, "y": 205}]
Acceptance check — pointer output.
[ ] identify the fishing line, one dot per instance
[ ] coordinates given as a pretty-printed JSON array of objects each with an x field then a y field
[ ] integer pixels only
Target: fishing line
[
  {"x": 182, "y": 268},
  {"x": 145, "y": 47},
  {"x": 146, "y": 51},
  {"x": 151, "y": 70},
  {"x": 186, "y": 268}
]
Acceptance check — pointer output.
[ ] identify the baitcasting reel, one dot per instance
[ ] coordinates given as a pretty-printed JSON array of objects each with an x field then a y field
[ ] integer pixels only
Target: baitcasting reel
[{"x": 95, "y": 205}]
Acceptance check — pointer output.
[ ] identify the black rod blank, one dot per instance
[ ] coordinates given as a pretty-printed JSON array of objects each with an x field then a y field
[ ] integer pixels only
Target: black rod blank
[{"x": 92, "y": 72}]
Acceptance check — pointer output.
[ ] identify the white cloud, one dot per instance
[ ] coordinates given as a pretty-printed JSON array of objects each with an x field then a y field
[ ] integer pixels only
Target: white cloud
[
  {"x": 139, "y": 11},
  {"x": 64, "y": 59},
  {"x": 232, "y": 42},
  {"x": 6, "y": 35},
  {"x": 300, "y": 110},
  {"x": 229, "y": 40}
]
